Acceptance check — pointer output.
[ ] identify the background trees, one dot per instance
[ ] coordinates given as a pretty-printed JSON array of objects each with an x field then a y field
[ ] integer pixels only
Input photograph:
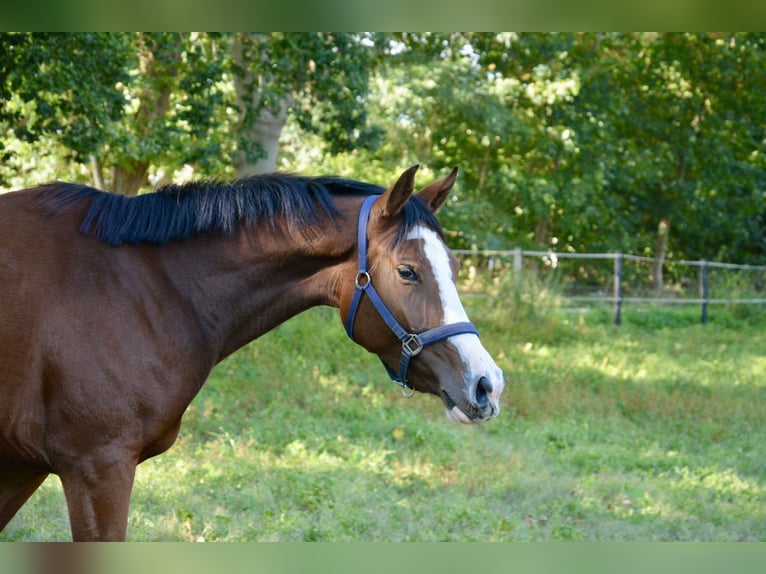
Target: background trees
[
  {"x": 136, "y": 107},
  {"x": 648, "y": 143},
  {"x": 684, "y": 121}
]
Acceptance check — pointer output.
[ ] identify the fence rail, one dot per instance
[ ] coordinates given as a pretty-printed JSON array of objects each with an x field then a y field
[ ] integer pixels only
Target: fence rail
[{"x": 617, "y": 297}]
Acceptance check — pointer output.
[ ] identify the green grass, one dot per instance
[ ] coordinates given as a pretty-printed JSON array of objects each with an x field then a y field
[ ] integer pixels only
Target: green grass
[{"x": 652, "y": 431}]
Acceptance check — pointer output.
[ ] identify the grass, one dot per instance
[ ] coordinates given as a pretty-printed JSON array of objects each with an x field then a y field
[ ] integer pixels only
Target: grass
[{"x": 651, "y": 431}]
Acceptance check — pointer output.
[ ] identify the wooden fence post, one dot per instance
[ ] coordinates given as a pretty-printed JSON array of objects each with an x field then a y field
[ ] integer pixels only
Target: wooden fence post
[
  {"x": 618, "y": 288},
  {"x": 517, "y": 261},
  {"x": 703, "y": 291}
]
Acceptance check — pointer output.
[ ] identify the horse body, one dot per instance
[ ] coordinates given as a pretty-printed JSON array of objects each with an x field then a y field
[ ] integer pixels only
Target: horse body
[{"x": 102, "y": 348}]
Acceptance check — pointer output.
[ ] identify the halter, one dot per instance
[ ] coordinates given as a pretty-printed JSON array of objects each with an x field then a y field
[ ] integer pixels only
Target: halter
[{"x": 412, "y": 343}]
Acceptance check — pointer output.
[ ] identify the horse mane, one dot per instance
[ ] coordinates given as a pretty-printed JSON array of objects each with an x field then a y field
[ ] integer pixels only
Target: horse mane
[{"x": 180, "y": 211}]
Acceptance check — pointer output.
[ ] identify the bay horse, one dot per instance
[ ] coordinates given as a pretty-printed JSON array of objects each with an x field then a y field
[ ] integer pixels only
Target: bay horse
[{"x": 114, "y": 310}]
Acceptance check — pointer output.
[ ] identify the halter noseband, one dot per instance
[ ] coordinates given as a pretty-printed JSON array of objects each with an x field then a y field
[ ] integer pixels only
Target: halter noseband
[{"x": 412, "y": 343}]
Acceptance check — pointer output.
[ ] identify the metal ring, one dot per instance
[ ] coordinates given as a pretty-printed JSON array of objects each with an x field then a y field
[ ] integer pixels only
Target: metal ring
[{"x": 362, "y": 279}]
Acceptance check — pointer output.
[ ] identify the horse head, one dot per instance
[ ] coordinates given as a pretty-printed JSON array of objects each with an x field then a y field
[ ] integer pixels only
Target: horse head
[{"x": 403, "y": 304}]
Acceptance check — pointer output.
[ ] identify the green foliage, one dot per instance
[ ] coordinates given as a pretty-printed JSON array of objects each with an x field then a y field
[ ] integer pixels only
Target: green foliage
[
  {"x": 137, "y": 105},
  {"x": 653, "y": 431},
  {"x": 43, "y": 89},
  {"x": 666, "y": 104},
  {"x": 319, "y": 80}
]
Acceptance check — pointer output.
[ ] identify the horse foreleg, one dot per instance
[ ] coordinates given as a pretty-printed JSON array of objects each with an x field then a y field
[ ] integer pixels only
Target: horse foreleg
[
  {"x": 16, "y": 485},
  {"x": 97, "y": 491}
]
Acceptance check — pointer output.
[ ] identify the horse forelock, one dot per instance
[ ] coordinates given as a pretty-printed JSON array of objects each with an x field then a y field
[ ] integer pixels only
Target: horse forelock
[{"x": 415, "y": 212}]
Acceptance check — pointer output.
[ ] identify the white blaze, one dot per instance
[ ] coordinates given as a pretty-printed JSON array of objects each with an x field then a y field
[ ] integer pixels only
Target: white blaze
[{"x": 477, "y": 360}]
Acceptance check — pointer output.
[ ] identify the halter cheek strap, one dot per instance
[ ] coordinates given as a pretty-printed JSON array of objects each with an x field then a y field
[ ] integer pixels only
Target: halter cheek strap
[{"x": 412, "y": 343}]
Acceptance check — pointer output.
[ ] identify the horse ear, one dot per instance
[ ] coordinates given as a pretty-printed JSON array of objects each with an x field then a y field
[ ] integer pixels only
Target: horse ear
[
  {"x": 397, "y": 195},
  {"x": 435, "y": 194}
]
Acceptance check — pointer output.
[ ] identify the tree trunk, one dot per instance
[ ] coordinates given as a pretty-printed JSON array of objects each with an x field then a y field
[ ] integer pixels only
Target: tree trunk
[
  {"x": 484, "y": 167},
  {"x": 97, "y": 171},
  {"x": 159, "y": 70},
  {"x": 663, "y": 230},
  {"x": 259, "y": 125},
  {"x": 128, "y": 181},
  {"x": 266, "y": 131},
  {"x": 541, "y": 230}
]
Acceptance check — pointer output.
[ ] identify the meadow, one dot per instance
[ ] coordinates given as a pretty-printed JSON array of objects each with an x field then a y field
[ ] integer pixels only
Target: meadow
[{"x": 653, "y": 431}]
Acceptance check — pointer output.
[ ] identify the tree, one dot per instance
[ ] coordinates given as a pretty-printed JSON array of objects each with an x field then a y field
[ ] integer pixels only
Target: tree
[
  {"x": 163, "y": 100},
  {"x": 320, "y": 78},
  {"x": 175, "y": 110},
  {"x": 497, "y": 105},
  {"x": 116, "y": 102},
  {"x": 683, "y": 114},
  {"x": 61, "y": 85}
]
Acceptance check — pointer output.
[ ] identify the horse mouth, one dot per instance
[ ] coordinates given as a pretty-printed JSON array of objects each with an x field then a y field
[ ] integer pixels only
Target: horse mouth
[
  {"x": 470, "y": 414},
  {"x": 457, "y": 414}
]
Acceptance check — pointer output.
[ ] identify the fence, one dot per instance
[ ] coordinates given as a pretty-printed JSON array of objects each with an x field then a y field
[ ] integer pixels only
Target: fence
[{"x": 617, "y": 296}]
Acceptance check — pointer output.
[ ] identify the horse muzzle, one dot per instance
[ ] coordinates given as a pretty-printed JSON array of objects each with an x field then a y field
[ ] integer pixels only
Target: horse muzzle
[{"x": 477, "y": 402}]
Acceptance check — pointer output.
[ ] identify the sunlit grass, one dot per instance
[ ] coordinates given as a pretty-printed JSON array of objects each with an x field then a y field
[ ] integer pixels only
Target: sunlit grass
[{"x": 646, "y": 432}]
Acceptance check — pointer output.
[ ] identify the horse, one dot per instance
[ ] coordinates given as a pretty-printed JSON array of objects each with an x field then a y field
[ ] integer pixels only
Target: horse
[{"x": 114, "y": 310}]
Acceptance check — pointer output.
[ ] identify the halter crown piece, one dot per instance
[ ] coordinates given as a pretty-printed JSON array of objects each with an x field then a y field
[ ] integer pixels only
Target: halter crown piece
[{"x": 412, "y": 343}]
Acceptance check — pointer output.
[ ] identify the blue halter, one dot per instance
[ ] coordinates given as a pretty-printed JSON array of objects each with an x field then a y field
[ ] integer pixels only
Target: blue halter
[{"x": 412, "y": 343}]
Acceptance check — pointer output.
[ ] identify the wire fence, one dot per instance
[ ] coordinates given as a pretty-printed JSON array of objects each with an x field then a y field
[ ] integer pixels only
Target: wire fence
[{"x": 621, "y": 278}]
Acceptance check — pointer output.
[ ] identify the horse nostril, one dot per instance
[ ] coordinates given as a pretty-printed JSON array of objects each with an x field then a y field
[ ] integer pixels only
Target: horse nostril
[{"x": 483, "y": 390}]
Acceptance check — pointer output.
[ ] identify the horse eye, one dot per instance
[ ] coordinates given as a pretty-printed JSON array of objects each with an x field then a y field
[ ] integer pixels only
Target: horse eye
[{"x": 407, "y": 273}]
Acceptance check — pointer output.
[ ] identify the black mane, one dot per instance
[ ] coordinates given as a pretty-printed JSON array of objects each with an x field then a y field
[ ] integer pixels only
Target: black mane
[{"x": 177, "y": 212}]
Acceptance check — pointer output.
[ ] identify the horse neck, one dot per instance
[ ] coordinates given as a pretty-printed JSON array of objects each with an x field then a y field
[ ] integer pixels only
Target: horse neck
[{"x": 243, "y": 285}]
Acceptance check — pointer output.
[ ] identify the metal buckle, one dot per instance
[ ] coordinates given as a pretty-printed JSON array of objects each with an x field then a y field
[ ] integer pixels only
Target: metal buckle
[{"x": 412, "y": 345}]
